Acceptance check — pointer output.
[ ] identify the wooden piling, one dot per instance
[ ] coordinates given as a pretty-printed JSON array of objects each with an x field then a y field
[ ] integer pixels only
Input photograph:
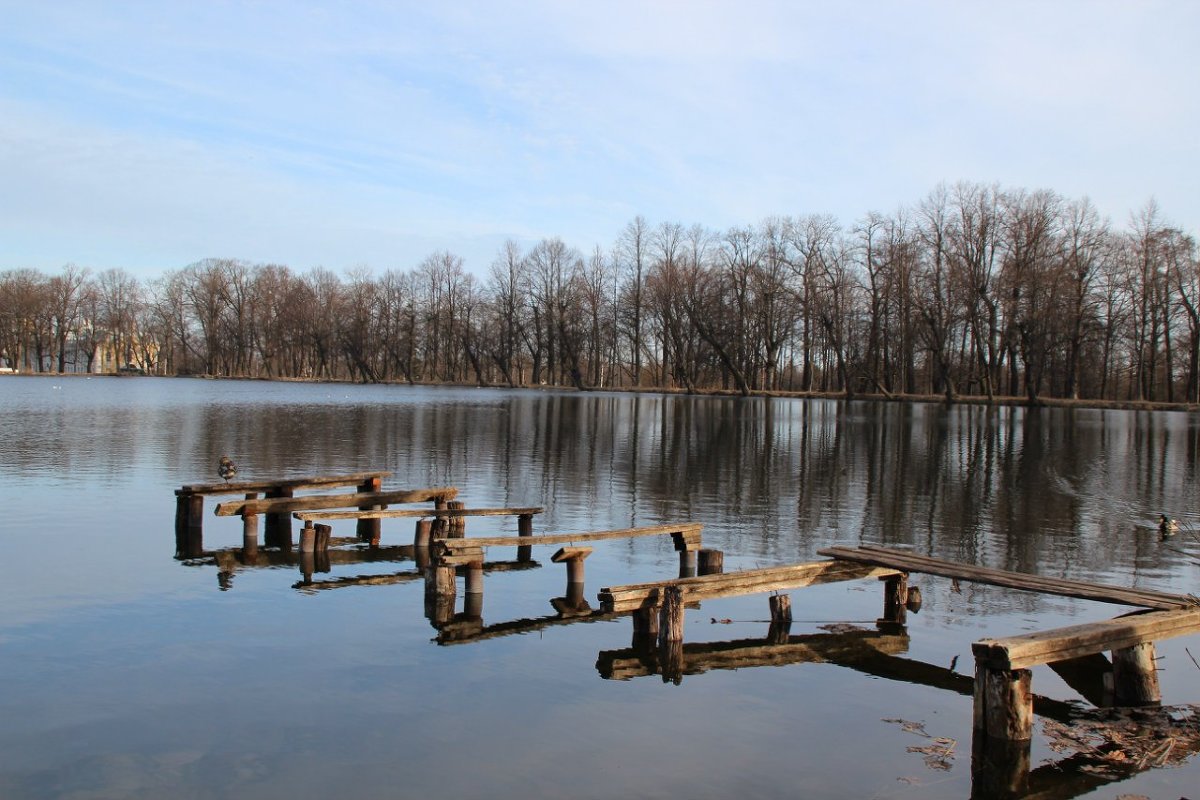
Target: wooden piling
[
  {"x": 473, "y": 605},
  {"x": 308, "y": 563},
  {"x": 670, "y": 661},
  {"x": 573, "y": 557},
  {"x": 913, "y": 602},
  {"x": 308, "y": 538},
  {"x": 440, "y": 609},
  {"x": 999, "y": 769},
  {"x": 368, "y": 530},
  {"x": 711, "y": 562},
  {"x": 181, "y": 521},
  {"x": 895, "y": 595},
  {"x": 250, "y": 535},
  {"x": 423, "y": 533},
  {"x": 525, "y": 528},
  {"x": 439, "y": 581},
  {"x": 645, "y": 627},
  {"x": 670, "y": 618},
  {"x": 474, "y": 575},
  {"x": 1135, "y": 680},
  {"x": 194, "y": 540},
  {"x": 278, "y": 523},
  {"x": 422, "y": 558},
  {"x": 324, "y": 532},
  {"x": 781, "y": 608},
  {"x": 687, "y": 563},
  {"x": 458, "y": 525},
  {"x": 1003, "y": 704}
]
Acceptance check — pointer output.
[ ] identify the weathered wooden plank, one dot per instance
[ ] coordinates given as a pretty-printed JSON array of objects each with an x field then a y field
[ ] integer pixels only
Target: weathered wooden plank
[
  {"x": 1122, "y": 594},
  {"x": 911, "y": 562},
  {"x": 390, "y": 513},
  {"x": 686, "y": 528},
  {"x": 451, "y": 636},
  {"x": 311, "y": 482},
  {"x": 732, "y": 584},
  {"x": 235, "y": 507},
  {"x": 1074, "y": 641},
  {"x": 702, "y": 657}
]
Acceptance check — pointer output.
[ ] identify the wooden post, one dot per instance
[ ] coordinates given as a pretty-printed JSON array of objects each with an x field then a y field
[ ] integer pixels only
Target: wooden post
[
  {"x": 1135, "y": 681},
  {"x": 670, "y": 661},
  {"x": 913, "y": 602},
  {"x": 575, "y": 598},
  {"x": 687, "y": 563},
  {"x": 422, "y": 557},
  {"x": 250, "y": 535},
  {"x": 458, "y": 525},
  {"x": 525, "y": 528},
  {"x": 895, "y": 595},
  {"x": 423, "y": 533},
  {"x": 441, "y": 525},
  {"x": 439, "y": 581},
  {"x": 439, "y": 608},
  {"x": 181, "y": 521},
  {"x": 670, "y": 619},
  {"x": 194, "y": 544},
  {"x": 780, "y": 632},
  {"x": 474, "y": 581},
  {"x": 278, "y": 523},
  {"x": 323, "y": 534},
  {"x": 308, "y": 563},
  {"x": 781, "y": 608},
  {"x": 712, "y": 562},
  {"x": 473, "y": 605},
  {"x": 645, "y": 627},
  {"x": 1003, "y": 704},
  {"x": 999, "y": 770},
  {"x": 368, "y": 530},
  {"x": 573, "y": 557},
  {"x": 308, "y": 538}
]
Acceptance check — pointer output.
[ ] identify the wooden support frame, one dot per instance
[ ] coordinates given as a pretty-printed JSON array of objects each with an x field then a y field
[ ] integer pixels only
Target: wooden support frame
[
  {"x": 732, "y": 584},
  {"x": 573, "y": 557},
  {"x": 234, "y": 508},
  {"x": 1003, "y": 704}
]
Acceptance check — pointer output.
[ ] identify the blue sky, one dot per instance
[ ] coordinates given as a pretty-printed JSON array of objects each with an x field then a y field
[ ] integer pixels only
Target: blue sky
[{"x": 150, "y": 135}]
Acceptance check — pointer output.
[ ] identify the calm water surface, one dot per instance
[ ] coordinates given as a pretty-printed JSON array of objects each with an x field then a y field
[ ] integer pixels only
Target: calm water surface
[{"x": 130, "y": 674}]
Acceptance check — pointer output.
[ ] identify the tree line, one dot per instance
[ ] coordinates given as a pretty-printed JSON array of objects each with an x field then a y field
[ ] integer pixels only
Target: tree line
[{"x": 973, "y": 290}]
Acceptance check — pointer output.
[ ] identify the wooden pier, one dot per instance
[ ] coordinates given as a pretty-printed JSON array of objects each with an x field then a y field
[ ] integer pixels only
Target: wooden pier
[
  {"x": 189, "y": 502},
  {"x": 1110, "y": 663}
]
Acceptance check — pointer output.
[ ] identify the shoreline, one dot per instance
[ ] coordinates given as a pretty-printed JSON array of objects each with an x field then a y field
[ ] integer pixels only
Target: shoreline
[{"x": 964, "y": 400}]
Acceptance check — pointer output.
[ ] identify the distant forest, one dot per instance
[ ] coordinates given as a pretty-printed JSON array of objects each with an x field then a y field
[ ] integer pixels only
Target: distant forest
[{"x": 974, "y": 290}]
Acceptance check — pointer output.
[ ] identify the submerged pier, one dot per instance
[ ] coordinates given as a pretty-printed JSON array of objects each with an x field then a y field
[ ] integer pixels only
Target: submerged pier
[{"x": 1110, "y": 663}]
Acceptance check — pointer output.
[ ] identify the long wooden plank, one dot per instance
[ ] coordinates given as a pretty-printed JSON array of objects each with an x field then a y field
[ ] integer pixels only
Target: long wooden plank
[
  {"x": 910, "y": 562},
  {"x": 284, "y": 504},
  {"x": 450, "y": 635},
  {"x": 1122, "y": 595},
  {"x": 1075, "y": 641},
  {"x": 1135, "y": 595},
  {"x": 732, "y": 584},
  {"x": 700, "y": 657},
  {"x": 569, "y": 538},
  {"x": 312, "y": 482},
  {"x": 389, "y": 513}
]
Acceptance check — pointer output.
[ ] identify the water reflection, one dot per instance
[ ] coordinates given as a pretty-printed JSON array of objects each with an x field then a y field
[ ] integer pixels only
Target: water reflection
[{"x": 95, "y": 603}]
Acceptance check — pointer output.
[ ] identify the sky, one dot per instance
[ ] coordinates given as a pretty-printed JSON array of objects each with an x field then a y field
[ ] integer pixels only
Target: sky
[{"x": 148, "y": 136}]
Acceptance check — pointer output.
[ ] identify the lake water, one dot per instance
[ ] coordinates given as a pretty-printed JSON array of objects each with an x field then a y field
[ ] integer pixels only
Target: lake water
[{"x": 127, "y": 673}]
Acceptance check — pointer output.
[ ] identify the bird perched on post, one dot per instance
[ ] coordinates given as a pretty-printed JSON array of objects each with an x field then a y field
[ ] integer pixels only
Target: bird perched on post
[
  {"x": 1167, "y": 526},
  {"x": 227, "y": 469}
]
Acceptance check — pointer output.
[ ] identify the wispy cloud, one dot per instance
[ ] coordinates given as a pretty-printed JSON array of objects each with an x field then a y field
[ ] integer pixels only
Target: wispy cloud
[{"x": 151, "y": 135}]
